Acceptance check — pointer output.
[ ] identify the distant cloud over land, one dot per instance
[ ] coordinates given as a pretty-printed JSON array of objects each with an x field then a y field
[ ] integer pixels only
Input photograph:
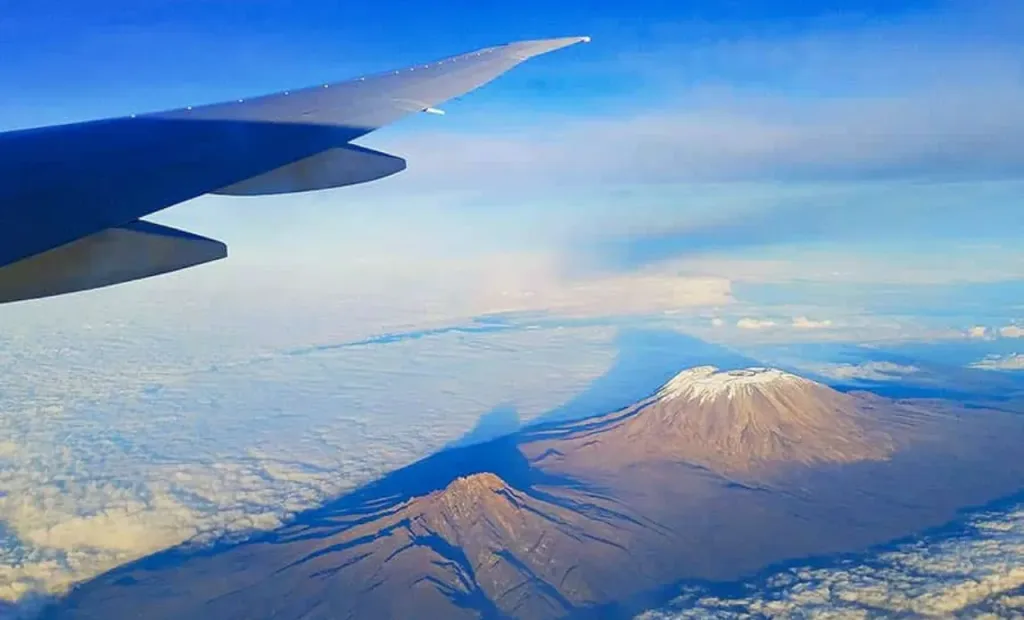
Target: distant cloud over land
[
  {"x": 802, "y": 322},
  {"x": 873, "y": 371},
  {"x": 1012, "y": 331},
  {"x": 974, "y": 573},
  {"x": 1013, "y": 361}
]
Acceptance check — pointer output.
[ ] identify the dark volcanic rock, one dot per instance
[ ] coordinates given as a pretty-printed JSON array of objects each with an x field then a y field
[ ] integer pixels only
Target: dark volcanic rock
[{"x": 715, "y": 476}]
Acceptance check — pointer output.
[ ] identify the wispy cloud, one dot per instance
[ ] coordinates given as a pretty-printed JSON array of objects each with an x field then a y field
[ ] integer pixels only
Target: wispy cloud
[
  {"x": 918, "y": 97},
  {"x": 869, "y": 215},
  {"x": 928, "y": 120},
  {"x": 1012, "y": 331},
  {"x": 910, "y": 267},
  {"x": 985, "y": 332},
  {"x": 979, "y": 332},
  {"x": 738, "y": 138},
  {"x": 750, "y": 323},
  {"x": 1001, "y": 362},
  {"x": 802, "y": 322},
  {"x": 871, "y": 371}
]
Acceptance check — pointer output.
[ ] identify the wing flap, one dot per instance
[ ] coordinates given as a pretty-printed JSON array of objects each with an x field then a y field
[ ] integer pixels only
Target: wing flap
[
  {"x": 347, "y": 165},
  {"x": 137, "y": 250}
]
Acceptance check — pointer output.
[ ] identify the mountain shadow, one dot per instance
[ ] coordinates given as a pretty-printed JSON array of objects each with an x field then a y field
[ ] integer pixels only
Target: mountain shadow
[
  {"x": 645, "y": 359},
  {"x": 498, "y": 422},
  {"x": 714, "y": 476}
]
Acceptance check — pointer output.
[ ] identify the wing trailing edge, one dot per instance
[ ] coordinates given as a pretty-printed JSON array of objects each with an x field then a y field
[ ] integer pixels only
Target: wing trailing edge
[{"x": 136, "y": 250}]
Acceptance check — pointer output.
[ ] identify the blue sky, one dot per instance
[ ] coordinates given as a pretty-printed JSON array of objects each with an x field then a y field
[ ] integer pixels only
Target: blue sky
[
  {"x": 79, "y": 59},
  {"x": 739, "y": 153},
  {"x": 770, "y": 148}
]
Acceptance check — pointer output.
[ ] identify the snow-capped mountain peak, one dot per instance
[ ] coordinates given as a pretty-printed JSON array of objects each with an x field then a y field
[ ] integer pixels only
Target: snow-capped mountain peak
[
  {"x": 708, "y": 382},
  {"x": 745, "y": 420}
]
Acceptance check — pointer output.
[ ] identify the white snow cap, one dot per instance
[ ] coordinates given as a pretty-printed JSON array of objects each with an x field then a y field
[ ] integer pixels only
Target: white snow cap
[{"x": 708, "y": 382}]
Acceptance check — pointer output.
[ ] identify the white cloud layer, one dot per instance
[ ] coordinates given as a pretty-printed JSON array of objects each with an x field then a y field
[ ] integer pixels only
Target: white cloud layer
[
  {"x": 870, "y": 371},
  {"x": 838, "y": 264},
  {"x": 982, "y": 332},
  {"x": 730, "y": 135},
  {"x": 802, "y": 322},
  {"x": 122, "y": 440},
  {"x": 1014, "y": 361},
  {"x": 750, "y": 323},
  {"x": 976, "y": 574},
  {"x": 527, "y": 283},
  {"x": 979, "y": 332},
  {"x": 1012, "y": 331},
  {"x": 910, "y": 96}
]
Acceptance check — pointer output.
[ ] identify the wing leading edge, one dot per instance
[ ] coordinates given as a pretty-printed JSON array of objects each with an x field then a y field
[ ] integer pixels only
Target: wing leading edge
[
  {"x": 69, "y": 183},
  {"x": 370, "y": 102}
]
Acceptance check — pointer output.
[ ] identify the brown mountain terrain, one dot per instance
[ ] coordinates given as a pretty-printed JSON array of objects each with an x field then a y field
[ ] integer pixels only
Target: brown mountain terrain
[
  {"x": 716, "y": 476},
  {"x": 742, "y": 422}
]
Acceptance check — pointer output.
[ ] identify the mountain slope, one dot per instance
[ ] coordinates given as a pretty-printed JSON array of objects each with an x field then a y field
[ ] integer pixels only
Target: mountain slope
[
  {"x": 477, "y": 548},
  {"x": 737, "y": 422},
  {"x": 715, "y": 476}
]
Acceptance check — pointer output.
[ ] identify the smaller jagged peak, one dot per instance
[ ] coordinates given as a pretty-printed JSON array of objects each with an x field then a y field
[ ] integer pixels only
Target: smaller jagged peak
[
  {"x": 469, "y": 498},
  {"x": 483, "y": 481},
  {"x": 479, "y": 489}
]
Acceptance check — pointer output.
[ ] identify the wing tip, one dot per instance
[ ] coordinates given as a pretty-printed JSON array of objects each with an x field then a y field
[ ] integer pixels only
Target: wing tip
[{"x": 524, "y": 50}]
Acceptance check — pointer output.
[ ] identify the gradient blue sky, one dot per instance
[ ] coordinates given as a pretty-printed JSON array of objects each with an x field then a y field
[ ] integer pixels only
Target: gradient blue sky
[
  {"x": 74, "y": 55},
  {"x": 842, "y": 148},
  {"x": 78, "y": 60}
]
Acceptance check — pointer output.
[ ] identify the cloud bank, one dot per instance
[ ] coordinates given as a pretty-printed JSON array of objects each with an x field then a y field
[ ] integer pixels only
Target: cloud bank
[
  {"x": 149, "y": 438},
  {"x": 802, "y": 322},
  {"x": 869, "y": 371},
  {"x": 1012, "y": 331},
  {"x": 984, "y": 332},
  {"x": 974, "y": 574},
  {"x": 931, "y": 122},
  {"x": 734, "y": 136}
]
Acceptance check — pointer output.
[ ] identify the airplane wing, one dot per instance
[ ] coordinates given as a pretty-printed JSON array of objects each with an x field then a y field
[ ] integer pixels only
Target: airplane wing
[{"x": 71, "y": 196}]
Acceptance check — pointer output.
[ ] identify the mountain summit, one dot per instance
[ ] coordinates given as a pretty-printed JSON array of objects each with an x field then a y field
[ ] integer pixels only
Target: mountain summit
[
  {"x": 708, "y": 382},
  {"x": 739, "y": 421}
]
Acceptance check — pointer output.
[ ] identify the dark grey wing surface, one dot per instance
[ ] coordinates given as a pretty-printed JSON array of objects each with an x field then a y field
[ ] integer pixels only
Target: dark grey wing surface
[
  {"x": 136, "y": 250},
  {"x": 65, "y": 183}
]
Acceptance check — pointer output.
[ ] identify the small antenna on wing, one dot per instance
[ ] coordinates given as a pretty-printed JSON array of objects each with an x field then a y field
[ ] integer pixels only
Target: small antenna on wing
[{"x": 434, "y": 111}]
